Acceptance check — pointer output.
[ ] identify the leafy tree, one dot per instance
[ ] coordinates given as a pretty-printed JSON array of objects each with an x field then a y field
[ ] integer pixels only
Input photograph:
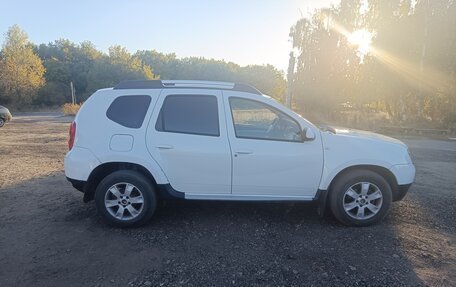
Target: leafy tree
[
  {"x": 21, "y": 70},
  {"x": 266, "y": 78},
  {"x": 90, "y": 69},
  {"x": 119, "y": 65},
  {"x": 165, "y": 65},
  {"x": 66, "y": 62},
  {"x": 409, "y": 72}
]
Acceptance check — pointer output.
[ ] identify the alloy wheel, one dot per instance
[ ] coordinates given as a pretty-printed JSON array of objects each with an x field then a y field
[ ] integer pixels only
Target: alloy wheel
[
  {"x": 124, "y": 201},
  {"x": 362, "y": 200}
]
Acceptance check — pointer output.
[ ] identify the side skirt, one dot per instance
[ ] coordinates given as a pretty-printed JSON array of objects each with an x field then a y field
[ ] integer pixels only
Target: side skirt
[
  {"x": 168, "y": 192},
  {"x": 237, "y": 197}
]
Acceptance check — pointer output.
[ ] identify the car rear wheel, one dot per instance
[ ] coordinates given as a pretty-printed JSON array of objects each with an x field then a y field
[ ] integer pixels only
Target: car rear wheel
[
  {"x": 125, "y": 199},
  {"x": 360, "y": 198},
  {"x": 2, "y": 122}
]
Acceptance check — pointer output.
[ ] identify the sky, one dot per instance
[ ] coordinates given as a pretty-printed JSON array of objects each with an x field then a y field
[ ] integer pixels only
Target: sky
[{"x": 245, "y": 32}]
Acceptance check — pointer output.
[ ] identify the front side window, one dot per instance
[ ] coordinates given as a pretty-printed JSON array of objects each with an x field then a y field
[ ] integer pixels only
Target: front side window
[
  {"x": 255, "y": 120},
  {"x": 189, "y": 114}
]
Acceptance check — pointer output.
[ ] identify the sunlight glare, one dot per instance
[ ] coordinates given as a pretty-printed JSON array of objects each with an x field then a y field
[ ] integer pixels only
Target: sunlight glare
[{"x": 362, "y": 39}]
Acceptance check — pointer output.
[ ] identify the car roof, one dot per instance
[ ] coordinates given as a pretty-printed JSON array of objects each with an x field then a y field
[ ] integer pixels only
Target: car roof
[{"x": 173, "y": 84}]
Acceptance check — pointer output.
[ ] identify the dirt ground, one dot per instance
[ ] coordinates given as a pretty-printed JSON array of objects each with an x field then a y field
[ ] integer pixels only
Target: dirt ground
[{"x": 49, "y": 237}]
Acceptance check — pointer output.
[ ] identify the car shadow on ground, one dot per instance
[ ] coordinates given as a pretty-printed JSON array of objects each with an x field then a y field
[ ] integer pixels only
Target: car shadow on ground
[
  {"x": 425, "y": 220},
  {"x": 53, "y": 238}
]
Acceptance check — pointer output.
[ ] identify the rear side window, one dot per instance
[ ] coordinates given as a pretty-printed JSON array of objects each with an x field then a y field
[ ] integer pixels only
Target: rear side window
[
  {"x": 189, "y": 114},
  {"x": 129, "y": 111}
]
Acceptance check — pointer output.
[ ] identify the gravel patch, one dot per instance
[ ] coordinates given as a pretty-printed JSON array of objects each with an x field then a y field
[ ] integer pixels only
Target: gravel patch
[{"x": 49, "y": 237}]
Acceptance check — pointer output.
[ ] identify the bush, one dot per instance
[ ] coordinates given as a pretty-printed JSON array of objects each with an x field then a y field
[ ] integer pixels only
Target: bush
[{"x": 70, "y": 109}]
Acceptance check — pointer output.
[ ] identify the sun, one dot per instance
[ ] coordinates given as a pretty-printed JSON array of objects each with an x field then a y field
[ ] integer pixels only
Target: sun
[{"x": 362, "y": 39}]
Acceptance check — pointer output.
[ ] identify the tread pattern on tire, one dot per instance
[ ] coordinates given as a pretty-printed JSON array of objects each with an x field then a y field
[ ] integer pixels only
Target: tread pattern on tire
[
  {"x": 344, "y": 181},
  {"x": 139, "y": 180}
]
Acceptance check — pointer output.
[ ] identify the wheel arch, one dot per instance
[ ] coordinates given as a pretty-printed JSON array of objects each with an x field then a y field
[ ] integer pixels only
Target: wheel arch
[
  {"x": 107, "y": 168},
  {"x": 382, "y": 171}
]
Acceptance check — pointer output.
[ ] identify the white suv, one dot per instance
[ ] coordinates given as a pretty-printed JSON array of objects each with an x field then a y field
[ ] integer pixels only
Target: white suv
[{"x": 143, "y": 141}]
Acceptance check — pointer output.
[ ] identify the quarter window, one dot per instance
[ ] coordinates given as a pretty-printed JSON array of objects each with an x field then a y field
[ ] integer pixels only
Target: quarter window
[
  {"x": 129, "y": 111},
  {"x": 255, "y": 120},
  {"x": 189, "y": 114}
]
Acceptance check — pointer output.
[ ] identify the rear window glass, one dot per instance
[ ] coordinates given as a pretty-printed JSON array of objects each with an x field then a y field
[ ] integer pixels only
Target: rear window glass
[
  {"x": 189, "y": 114},
  {"x": 129, "y": 111}
]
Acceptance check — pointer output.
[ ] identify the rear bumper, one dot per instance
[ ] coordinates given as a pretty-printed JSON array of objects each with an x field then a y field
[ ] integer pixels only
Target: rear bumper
[
  {"x": 79, "y": 163},
  {"x": 78, "y": 184}
]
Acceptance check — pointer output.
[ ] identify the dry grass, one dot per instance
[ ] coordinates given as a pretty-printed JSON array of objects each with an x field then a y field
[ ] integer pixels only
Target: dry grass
[
  {"x": 70, "y": 109},
  {"x": 32, "y": 147}
]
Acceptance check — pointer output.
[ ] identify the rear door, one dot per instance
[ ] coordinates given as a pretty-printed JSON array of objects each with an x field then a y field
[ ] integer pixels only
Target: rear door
[{"x": 187, "y": 136}]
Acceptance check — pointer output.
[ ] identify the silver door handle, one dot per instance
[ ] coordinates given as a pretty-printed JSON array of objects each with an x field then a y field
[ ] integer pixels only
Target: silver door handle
[
  {"x": 165, "y": 146},
  {"x": 244, "y": 152}
]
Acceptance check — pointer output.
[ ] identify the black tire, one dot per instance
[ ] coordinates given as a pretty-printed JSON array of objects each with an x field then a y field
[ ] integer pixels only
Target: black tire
[
  {"x": 2, "y": 122},
  {"x": 337, "y": 197},
  {"x": 143, "y": 187}
]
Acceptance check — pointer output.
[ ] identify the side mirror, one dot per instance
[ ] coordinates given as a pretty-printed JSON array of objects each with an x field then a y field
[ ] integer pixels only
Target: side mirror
[{"x": 308, "y": 134}]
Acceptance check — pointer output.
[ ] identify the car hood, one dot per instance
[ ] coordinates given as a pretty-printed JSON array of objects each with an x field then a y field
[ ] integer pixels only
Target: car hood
[
  {"x": 362, "y": 146},
  {"x": 366, "y": 135}
]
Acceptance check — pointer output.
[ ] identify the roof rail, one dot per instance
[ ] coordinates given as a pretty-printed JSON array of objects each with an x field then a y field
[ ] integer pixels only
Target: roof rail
[{"x": 163, "y": 84}]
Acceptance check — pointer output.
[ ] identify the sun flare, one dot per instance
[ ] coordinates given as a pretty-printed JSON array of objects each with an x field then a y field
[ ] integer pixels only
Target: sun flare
[{"x": 362, "y": 39}]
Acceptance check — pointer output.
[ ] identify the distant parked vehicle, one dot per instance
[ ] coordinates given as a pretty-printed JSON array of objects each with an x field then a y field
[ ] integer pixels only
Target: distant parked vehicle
[
  {"x": 141, "y": 141},
  {"x": 5, "y": 116}
]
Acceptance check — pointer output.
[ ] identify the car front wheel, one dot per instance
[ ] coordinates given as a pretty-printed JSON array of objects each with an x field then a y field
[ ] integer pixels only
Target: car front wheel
[
  {"x": 2, "y": 122},
  {"x": 125, "y": 199},
  {"x": 360, "y": 198}
]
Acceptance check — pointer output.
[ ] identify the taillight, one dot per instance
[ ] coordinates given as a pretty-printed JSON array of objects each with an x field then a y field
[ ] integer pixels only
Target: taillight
[{"x": 72, "y": 134}]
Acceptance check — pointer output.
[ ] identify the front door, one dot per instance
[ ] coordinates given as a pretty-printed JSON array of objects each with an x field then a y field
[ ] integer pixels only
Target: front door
[{"x": 269, "y": 156}]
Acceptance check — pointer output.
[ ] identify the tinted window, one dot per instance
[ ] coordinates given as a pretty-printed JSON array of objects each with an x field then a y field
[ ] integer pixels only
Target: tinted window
[
  {"x": 129, "y": 111},
  {"x": 190, "y": 114},
  {"x": 255, "y": 120}
]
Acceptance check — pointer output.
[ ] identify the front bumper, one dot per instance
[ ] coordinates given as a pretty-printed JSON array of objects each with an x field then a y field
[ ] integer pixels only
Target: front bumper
[
  {"x": 404, "y": 173},
  {"x": 401, "y": 191}
]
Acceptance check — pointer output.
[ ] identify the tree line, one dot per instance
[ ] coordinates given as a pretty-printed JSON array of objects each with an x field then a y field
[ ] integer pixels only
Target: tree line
[
  {"x": 406, "y": 75},
  {"x": 408, "y": 72},
  {"x": 42, "y": 74}
]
